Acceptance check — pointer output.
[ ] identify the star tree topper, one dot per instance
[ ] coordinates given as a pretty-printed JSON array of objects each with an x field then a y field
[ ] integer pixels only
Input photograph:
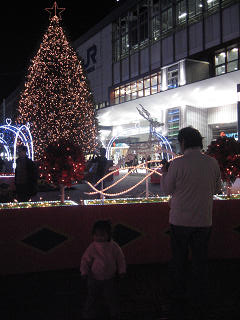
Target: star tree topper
[{"x": 55, "y": 11}]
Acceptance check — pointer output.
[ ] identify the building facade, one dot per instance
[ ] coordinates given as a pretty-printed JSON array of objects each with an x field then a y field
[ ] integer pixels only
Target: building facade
[{"x": 177, "y": 59}]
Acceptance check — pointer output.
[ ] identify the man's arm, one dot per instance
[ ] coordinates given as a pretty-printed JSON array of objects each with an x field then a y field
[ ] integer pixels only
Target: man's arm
[{"x": 168, "y": 179}]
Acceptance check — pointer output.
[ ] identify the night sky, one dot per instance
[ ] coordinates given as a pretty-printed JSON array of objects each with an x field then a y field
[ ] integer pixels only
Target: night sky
[{"x": 23, "y": 25}]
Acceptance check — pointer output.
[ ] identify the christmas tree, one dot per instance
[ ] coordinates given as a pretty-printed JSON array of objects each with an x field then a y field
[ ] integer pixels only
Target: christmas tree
[
  {"x": 227, "y": 152},
  {"x": 56, "y": 100}
]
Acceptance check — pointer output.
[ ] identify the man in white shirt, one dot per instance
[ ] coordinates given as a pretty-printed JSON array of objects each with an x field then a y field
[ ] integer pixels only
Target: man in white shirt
[{"x": 191, "y": 179}]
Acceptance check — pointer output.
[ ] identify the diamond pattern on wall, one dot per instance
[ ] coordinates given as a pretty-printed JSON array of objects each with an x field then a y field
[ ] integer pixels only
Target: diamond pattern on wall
[
  {"x": 123, "y": 234},
  {"x": 45, "y": 239}
]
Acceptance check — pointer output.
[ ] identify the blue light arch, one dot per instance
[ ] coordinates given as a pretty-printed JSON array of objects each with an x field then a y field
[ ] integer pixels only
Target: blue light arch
[
  {"x": 165, "y": 144},
  {"x": 9, "y": 136}
]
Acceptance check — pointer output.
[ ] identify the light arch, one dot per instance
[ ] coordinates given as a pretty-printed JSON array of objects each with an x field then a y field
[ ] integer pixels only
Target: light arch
[
  {"x": 9, "y": 135},
  {"x": 165, "y": 144}
]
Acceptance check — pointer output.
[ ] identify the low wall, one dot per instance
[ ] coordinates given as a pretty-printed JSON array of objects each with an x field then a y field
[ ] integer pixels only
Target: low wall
[{"x": 39, "y": 239}]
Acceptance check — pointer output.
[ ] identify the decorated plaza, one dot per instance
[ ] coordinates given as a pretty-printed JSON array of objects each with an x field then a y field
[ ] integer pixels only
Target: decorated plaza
[{"x": 58, "y": 124}]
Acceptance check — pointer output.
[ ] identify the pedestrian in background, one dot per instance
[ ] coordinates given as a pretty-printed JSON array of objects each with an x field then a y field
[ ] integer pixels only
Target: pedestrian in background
[
  {"x": 101, "y": 264},
  {"x": 2, "y": 165},
  {"x": 191, "y": 179},
  {"x": 100, "y": 163},
  {"x": 26, "y": 176}
]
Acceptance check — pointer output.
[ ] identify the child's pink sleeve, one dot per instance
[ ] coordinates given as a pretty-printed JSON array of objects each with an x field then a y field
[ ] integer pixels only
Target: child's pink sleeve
[{"x": 86, "y": 262}]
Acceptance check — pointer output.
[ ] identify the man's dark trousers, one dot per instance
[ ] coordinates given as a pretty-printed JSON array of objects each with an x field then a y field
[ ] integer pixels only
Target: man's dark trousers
[{"x": 197, "y": 239}]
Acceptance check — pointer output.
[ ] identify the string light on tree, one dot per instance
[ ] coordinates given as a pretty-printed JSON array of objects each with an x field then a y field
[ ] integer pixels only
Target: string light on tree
[{"x": 56, "y": 100}]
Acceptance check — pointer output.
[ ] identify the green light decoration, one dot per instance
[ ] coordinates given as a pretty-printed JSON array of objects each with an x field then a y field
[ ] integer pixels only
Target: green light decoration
[{"x": 36, "y": 204}]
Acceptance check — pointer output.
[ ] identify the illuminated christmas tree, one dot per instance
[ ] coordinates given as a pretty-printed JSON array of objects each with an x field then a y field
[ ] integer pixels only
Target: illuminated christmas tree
[{"x": 56, "y": 100}]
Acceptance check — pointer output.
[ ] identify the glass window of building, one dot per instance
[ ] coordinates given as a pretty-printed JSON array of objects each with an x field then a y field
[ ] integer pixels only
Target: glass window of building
[
  {"x": 133, "y": 86},
  {"x": 137, "y": 89},
  {"x": 134, "y": 90},
  {"x": 220, "y": 62},
  {"x": 154, "y": 84},
  {"x": 155, "y": 19},
  {"x": 194, "y": 8},
  {"x": 165, "y": 4},
  {"x": 220, "y": 70},
  {"x": 143, "y": 22},
  {"x": 181, "y": 14},
  {"x": 133, "y": 27},
  {"x": 140, "y": 84},
  {"x": 166, "y": 15},
  {"x": 173, "y": 77},
  {"x": 140, "y": 88},
  {"x": 116, "y": 96},
  {"x": 116, "y": 41},
  {"x": 124, "y": 36},
  {"x": 173, "y": 123},
  {"x": 210, "y": 4},
  {"x": 128, "y": 93},
  {"x": 232, "y": 59},
  {"x": 220, "y": 58},
  {"x": 159, "y": 81},
  {"x": 147, "y": 86},
  {"x": 122, "y": 94},
  {"x": 227, "y": 60}
]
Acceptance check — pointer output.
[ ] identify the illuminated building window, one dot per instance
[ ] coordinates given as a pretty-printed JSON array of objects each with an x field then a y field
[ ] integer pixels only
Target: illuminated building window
[
  {"x": 154, "y": 84},
  {"x": 181, "y": 14},
  {"x": 140, "y": 88},
  {"x": 212, "y": 3},
  {"x": 116, "y": 96},
  {"x": 232, "y": 59},
  {"x": 173, "y": 123},
  {"x": 172, "y": 77},
  {"x": 101, "y": 105},
  {"x": 147, "y": 86},
  {"x": 122, "y": 94},
  {"x": 195, "y": 8},
  {"x": 155, "y": 20},
  {"x": 136, "y": 89},
  {"x": 128, "y": 93},
  {"x": 226, "y": 60},
  {"x": 220, "y": 63}
]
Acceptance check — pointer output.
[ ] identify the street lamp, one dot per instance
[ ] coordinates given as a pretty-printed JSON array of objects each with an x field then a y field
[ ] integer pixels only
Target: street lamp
[{"x": 238, "y": 111}]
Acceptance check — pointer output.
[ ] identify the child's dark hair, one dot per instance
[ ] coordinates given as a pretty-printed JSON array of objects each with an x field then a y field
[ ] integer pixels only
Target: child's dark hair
[{"x": 103, "y": 225}]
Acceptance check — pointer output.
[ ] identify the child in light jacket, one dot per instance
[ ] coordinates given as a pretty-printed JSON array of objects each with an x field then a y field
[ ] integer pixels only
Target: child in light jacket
[{"x": 101, "y": 263}]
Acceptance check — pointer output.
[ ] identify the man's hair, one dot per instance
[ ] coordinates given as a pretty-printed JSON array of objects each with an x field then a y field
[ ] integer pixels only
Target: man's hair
[
  {"x": 191, "y": 137},
  {"x": 103, "y": 226},
  {"x": 22, "y": 148}
]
